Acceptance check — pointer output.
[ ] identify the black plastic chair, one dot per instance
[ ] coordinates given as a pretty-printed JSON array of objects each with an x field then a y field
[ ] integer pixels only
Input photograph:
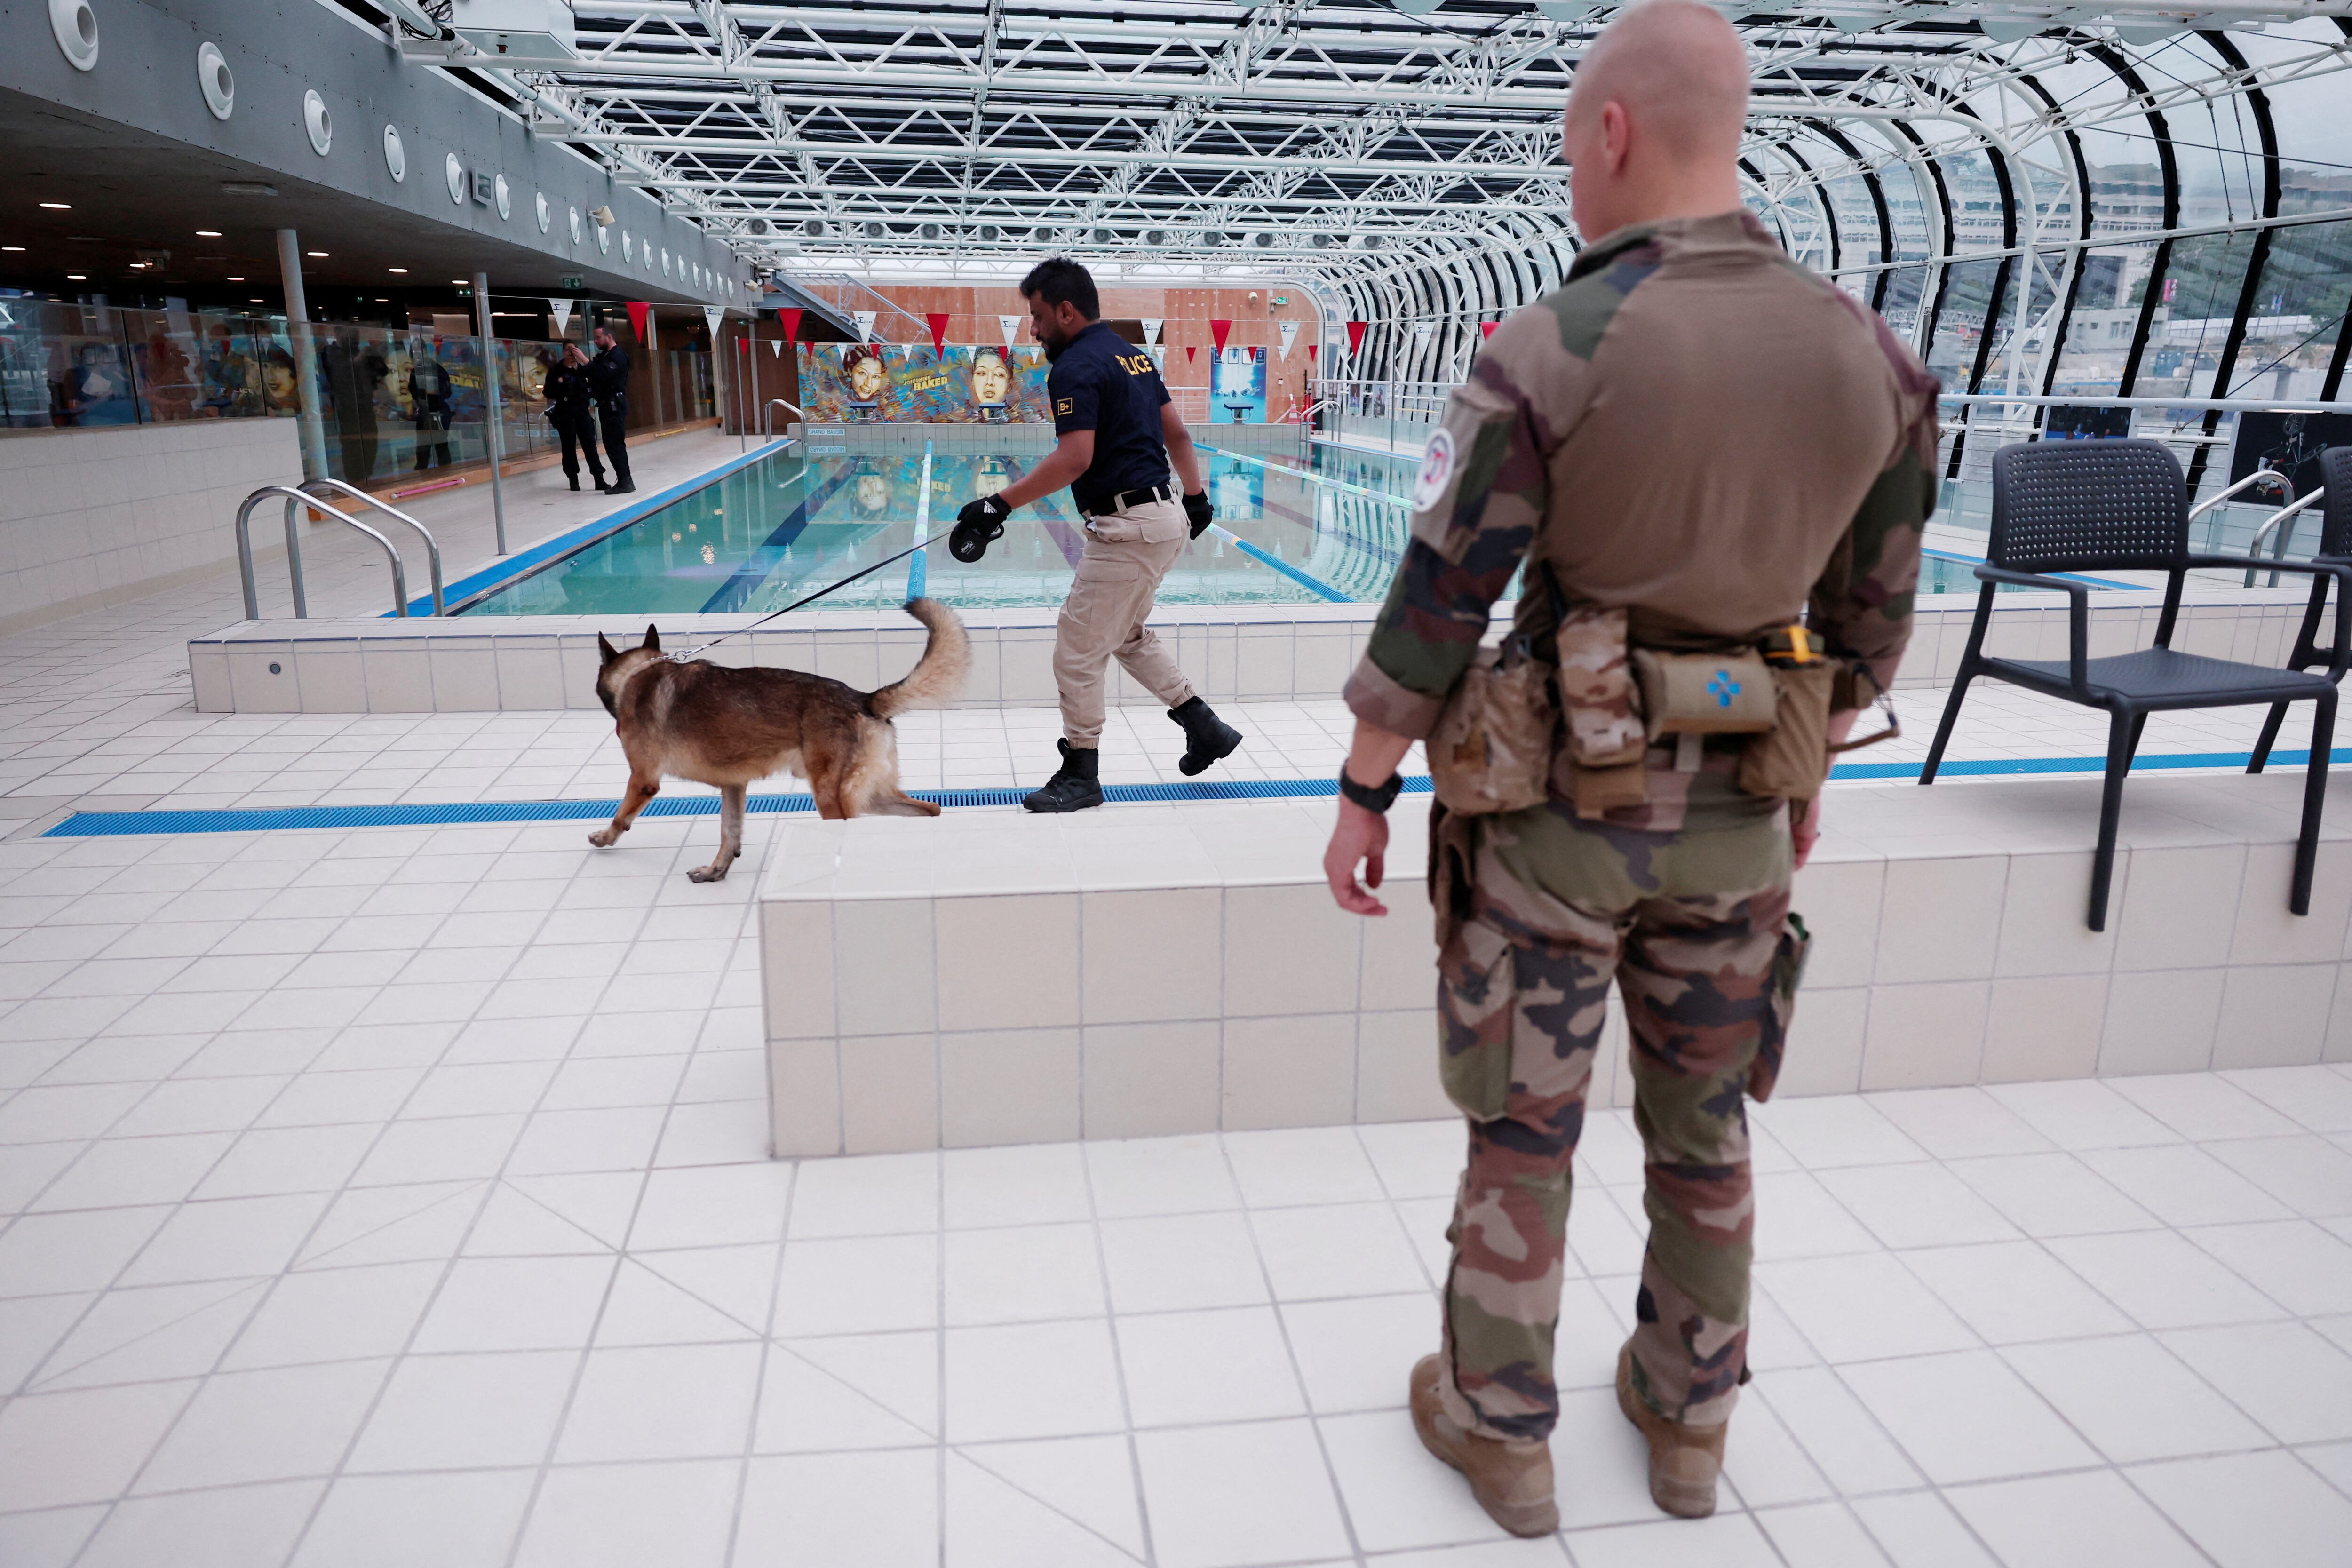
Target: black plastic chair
[
  {"x": 2093, "y": 506},
  {"x": 2335, "y": 548}
]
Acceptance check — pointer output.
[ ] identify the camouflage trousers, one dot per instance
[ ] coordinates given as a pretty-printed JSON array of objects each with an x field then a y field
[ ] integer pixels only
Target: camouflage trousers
[{"x": 1537, "y": 913}]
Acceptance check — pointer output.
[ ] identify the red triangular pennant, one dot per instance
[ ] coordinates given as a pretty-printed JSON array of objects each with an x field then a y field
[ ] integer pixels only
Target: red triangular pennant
[
  {"x": 638, "y": 311},
  {"x": 1486, "y": 329},
  {"x": 1218, "y": 332},
  {"x": 1190, "y": 350},
  {"x": 939, "y": 324},
  {"x": 1356, "y": 337},
  {"x": 1310, "y": 353},
  {"x": 790, "y": 318}
]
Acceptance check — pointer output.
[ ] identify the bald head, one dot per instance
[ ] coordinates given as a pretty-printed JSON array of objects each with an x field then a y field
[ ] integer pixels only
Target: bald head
[{"x": 1654, "y": 118}]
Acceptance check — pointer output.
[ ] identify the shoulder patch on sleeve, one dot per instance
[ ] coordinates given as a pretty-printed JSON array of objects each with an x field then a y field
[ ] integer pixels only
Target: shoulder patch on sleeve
[
  {"x": 1064, "y": 404},
  {"x": 1436, "y": 467}
]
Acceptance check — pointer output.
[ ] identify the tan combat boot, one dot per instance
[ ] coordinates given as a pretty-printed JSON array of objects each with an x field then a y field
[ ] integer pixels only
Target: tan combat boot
[
  {"x": 1512, "y": 1482},
  {"x": 1684, "y": 1460}
]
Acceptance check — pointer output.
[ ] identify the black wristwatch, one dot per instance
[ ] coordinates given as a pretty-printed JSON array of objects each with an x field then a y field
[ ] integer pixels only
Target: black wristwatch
[{"x": 1375, "y": 800}]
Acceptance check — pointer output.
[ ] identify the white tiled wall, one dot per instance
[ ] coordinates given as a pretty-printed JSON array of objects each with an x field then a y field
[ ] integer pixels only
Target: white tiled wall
[
  {"x": 91, "y": 516},
  {"x": 483, "y": 663},
  {"x": 909, "y": 1007}
]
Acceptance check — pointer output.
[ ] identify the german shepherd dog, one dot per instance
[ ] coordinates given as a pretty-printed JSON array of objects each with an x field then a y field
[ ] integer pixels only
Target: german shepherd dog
[{"x": 717, "y": 724}]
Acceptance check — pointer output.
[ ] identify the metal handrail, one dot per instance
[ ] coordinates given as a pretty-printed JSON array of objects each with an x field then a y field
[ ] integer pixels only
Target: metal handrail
[
  {"x": 767, "y": 425},
  {"x": 2257, "y": 477},
  {"x": 2278, "y": 551},
  {"x": 432, "y": 546},
  {"x": 294, "y": 550}
]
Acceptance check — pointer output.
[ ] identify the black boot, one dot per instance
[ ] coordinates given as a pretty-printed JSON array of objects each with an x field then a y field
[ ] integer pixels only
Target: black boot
[
  {"x": 575, "y": 478},
  {"x": 1074, "y": 786},
  {"x": 601, "y": 487},
  {"x": 1208, "y": 737}
]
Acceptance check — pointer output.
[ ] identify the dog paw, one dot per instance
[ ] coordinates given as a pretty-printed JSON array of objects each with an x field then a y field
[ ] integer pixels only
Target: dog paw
[
  {"x": 707, "y": 874},
  {"x": 604, "y": 840}
]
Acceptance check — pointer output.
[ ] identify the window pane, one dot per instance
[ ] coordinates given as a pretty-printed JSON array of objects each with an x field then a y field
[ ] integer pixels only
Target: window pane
[
  {"x": 2201, "y": 296},
  {"x": 2298, "y": 311}
]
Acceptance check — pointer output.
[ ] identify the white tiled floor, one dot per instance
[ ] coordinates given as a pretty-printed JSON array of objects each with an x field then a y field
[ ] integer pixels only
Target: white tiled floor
[{"x": 398, "y": 1197}]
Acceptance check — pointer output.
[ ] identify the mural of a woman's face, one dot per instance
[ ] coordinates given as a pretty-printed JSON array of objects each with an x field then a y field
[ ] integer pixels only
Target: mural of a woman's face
[
  {"x": 280, "y": 380},
  {"x": 866, "y": 378},
  {"x": 991, "y": 379}
]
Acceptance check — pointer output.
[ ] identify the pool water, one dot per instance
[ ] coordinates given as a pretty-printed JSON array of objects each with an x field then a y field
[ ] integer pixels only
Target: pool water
[{"x": 791, "y": 525}]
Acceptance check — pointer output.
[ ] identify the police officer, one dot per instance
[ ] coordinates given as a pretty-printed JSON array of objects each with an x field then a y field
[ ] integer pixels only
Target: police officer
[
  {"x": 568, "y": 409},
  {"x": 1698, "y": 433},
  {"x": 1117, "y": 435},
  {"x": 608, "y": 383}
]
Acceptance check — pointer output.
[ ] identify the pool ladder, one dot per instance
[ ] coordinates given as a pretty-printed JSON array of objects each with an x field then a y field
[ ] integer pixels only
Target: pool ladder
[
  {"x": 767, "y": 428},
  {"x": 309, "y": 493}
]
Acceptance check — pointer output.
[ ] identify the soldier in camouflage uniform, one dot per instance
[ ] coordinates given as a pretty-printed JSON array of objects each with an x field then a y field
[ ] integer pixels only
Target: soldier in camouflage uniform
[{"x": 1698, "y": 430}]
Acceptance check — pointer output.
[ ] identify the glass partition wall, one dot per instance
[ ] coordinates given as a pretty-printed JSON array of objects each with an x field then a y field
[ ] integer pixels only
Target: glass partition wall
[{"x": 387, "y": 402}]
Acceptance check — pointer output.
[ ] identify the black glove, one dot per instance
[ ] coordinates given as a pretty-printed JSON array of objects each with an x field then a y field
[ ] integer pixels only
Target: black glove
[
  {"x": 978, "y": 524},
  {"x": 1196, "y": 508}
]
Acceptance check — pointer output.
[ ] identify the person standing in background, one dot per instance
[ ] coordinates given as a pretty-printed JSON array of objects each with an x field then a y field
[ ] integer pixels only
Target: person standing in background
[
  {"x": 429, "y": 390},
  {"x": 568, "y": 408},
  {"x": 608, "y": 383}
]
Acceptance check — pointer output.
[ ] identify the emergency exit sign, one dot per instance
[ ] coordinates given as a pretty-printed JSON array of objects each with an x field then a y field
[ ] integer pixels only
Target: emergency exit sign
[{"x": 571, "y": 281}]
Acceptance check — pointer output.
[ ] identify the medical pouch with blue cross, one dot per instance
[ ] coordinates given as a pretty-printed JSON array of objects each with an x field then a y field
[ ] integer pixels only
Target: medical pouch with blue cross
[{"x": 1724, "y": 693}]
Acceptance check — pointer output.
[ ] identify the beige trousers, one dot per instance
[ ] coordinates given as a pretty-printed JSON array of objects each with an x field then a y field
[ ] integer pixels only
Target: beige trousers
[{"x": 1127, "y": 554}]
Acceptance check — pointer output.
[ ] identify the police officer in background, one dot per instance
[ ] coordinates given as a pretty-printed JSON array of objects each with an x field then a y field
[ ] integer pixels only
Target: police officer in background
[
  {"x": 1692, "y": 436},
  {"x": 1117, "y": 436},
  {"x": 568, "y": 399},
  {"x": 608, "y": 383}
]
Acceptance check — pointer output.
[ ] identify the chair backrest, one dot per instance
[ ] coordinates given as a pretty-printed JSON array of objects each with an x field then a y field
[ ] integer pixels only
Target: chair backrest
[
  {"x": 2065, "y": 506},
  {"x": 2336, "y": 508}
]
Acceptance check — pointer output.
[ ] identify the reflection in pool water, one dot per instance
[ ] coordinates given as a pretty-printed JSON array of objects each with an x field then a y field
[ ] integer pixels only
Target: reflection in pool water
[{"x": 791, "y": 524}]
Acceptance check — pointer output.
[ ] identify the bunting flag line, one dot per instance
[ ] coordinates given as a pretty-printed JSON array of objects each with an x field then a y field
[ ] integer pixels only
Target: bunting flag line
[
  {"x": 1310, "y": 353},
  {"x": 710, "y": 314},
  {"x": 937, "y": 321},
  {"x": 1289, "y": 336},
  {"x": 789, "y": 315},
  {"x": 639, "y": 314},
  {"x": 864, "y": 319},
  {"x": 1011, "y": 327},
  {"x": 777, "y": 344},
  {"x": 1487, "y": 329},
  {"x": 1356, "y": 337},
  {"x": 1190, "y": 350},
  {"x": 562, "y": 310},
  {"x": 1219, "y": 332},
  {"x": 1152, "y": 326}
]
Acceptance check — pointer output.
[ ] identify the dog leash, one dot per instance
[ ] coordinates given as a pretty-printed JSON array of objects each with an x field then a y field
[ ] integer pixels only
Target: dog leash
[{"x": 685, "y": 656}]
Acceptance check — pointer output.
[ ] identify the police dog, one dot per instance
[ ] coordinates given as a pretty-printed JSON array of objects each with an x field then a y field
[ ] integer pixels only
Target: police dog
[{"x": 717, "y": 724}]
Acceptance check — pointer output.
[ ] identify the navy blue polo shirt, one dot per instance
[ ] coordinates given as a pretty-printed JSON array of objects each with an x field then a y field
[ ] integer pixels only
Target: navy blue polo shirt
[{"x": 1102, "y": 382}]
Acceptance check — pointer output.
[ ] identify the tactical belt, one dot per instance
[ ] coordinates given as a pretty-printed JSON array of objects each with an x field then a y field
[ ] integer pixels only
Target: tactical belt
[{"x": 1126, "y": 499}]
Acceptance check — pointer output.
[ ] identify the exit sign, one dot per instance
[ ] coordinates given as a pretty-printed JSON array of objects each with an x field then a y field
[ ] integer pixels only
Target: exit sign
[{"x": 571, "y": 281}]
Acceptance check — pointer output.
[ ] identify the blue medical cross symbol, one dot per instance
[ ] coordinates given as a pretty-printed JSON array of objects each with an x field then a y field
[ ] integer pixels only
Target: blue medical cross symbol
[{"x": 1723, "y": 688}]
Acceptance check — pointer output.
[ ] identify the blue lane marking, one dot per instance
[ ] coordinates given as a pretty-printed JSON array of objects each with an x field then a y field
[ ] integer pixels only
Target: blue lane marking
[
  {"x": 1311, "y": 478},
  {"x": 2062, "y": 577},
  {"x": 918, "y": 574},
  {"x": 520, "y": 564},
  {"x": 1285, "y": 567},
  {"x": 107, "y": 824}
]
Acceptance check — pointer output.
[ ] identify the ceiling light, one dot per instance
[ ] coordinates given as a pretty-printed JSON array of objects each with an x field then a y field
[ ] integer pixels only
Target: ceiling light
[
  {"x": 320, "y": 254},
  {"x": 237, "y": 279},
  {"x": 208, "y": 233},
  {"x": 59, "y": 206},
  {"x": 402, "y": 270},
  {"x": 137, "y": 266},
  {"x": 77, "y": 276},
  {"x": 11, "y": 247}
]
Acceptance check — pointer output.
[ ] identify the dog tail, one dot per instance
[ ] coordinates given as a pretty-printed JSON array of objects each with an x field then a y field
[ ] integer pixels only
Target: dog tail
[{"x": 938, "y": 675}]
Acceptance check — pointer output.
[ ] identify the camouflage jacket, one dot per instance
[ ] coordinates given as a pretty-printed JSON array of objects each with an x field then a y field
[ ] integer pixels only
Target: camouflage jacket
[{"x": 1692, "y": 427}]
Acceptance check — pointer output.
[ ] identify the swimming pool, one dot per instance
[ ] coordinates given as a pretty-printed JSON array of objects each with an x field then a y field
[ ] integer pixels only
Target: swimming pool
[
  {"x": 791, "y": 524},
  {"x": 1328, "y": 527}
]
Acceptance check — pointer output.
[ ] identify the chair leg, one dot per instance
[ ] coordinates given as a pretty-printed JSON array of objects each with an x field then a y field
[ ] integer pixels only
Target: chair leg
[
  {"x": 2131, "y": 754},
  {"x": 2269, "y": 734},
  {"x": 1944, "y": 726},
  {"x": 2111, "y": 806},
  {"x": 2315, "y": 800}
]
